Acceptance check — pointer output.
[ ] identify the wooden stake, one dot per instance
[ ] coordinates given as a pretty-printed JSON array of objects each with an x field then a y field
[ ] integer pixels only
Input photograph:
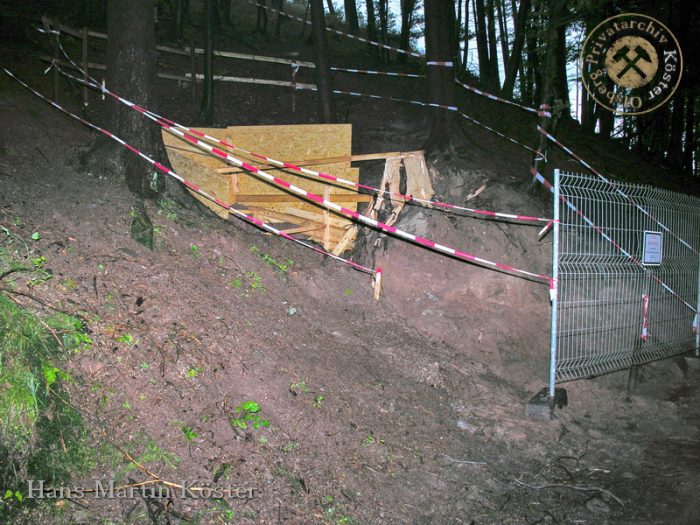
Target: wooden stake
[
  {"x": 377, "y": 284},
  {"x": 326, "y": 221}
]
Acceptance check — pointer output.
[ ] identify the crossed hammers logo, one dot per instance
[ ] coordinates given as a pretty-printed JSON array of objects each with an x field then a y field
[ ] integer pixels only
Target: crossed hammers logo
[{"x": 640, "y": 54}]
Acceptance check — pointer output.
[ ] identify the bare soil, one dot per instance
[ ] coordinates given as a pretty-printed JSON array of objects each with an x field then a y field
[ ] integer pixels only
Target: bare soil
[{"x": 406, "y": 410}]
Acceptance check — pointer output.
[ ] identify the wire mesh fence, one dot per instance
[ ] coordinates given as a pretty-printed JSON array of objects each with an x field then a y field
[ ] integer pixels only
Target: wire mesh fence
[{"x": 628, "y": 269}]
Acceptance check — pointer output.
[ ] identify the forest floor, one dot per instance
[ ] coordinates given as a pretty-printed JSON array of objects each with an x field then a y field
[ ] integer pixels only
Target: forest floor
[{"x": 406, "y": 410}]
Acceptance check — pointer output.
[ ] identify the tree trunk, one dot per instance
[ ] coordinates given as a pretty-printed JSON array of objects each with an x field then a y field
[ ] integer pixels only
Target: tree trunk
[
  {"x": 407, "y": 8},
  {"x": 675, "y": 138},
  {"x": 465, "y": 51},
  {"x": 516, "y": 56},
  {"x": 226, "y": 11},
  {"x": 331, "y": 7},
  {"x": 326, "y": 111},
  {"x": 384, "y": 28},
  {"x": 458, "y": 34},
  {"x": 502, "y": 31},
  {"x": 690, "y": 146},
  {"x": 280, "y": 19},
  {"x": 482, "y": 44},
  {"x": 207, "y": 110},
  {"x": 561, "y": 82},
  {"x": 131, "y": 72},
  {"x": 440, "y": 47},
  {"x": 261, "y": 20},
  {"x": 493, "y": 47},
  {"x": 371, "y": 24},
  {"x": 351, "y": 16}
]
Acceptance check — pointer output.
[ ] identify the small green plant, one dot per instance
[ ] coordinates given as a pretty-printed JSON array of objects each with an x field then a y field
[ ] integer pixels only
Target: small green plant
[
  {"x": 150, "y": 453},
  {"x": 101, "y": 267},
  {"x": 369, "y": 440},
  {"x": 69, "y": 284},
  {"x": 249, "y": 414},
  {"x": 318, "y": 400},
  {"x": 347, "y": 292},
  {"x": 281, "y": 267},
  {"x": 169, "y": 208},
  {"x": 39, "y": 262},
  {"x": 192, "y": 372},
  {"x": 289, "y": 446},
  {"x": 235, "y": 283},
  {"x": 14, "y": 494},
  {"x": 36, "y": 236},
  {"x": 256, "y": 282},
  {"x": 190, "y": 434},
  {"x": 299, "y": 388},
  {"x": 195, "y": 250},
  {"x": 127, "y": 339},
  {"x": 145, "y": 366}
]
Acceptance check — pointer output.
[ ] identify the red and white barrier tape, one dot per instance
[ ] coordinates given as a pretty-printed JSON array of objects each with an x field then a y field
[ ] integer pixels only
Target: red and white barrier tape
[
  {"x": 341, "y": 33},
  {"x": 191, "y": 186},
  {"x": 371, "y": 72},
  {"x": 605, "y": 236},
  {"x": 542, "y": 112},
  {"x": 324, "y": 176},
  {"x": 616, "y": 188},
  {"x": 291, "y": 188},
  {"x": 645, "y": 318}
]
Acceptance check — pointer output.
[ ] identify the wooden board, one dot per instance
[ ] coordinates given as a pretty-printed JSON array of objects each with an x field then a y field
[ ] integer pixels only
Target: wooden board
[{"x": 245, "y": 190}]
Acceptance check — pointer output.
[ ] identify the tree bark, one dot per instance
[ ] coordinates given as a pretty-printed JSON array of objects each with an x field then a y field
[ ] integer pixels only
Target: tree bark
[
  {"x": 407, "y": 9},
  {"x": 384, "y": 27},
  {"x": 440, "y": 47},
  {"x": 482, "y": 44},
  {"x": 465, "y": 51},
  {"x": 503, "y": 32},
  {"x": 131, "y": 72},
  {"x": 689, "y": 152},
  {"x": 331, "y": 7},
  {"x": 280, "y": 19},
  {"x": 326, "y": 111},
  {"x": 516, "y": 56},
  {"x": 493, "y": 47},
  {"x": 261, "y": 19},
  {"x": 207, "y": 110},
  {"x": 371, "y": 24},
  {"x": 351, "y": 16}
]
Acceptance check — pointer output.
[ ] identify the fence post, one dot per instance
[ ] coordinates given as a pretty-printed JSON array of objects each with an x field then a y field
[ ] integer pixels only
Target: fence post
[
  {"x": 697, "y": 317},
  {"x": 553, "y": 288}
]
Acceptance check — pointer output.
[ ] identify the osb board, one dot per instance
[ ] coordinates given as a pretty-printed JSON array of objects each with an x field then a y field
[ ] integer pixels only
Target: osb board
[{"x": 289, "y": 143}]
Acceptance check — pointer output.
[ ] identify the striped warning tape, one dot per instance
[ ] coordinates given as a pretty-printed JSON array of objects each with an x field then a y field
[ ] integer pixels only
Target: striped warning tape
[
  {"x": 339, "y": 32},
  {"x": 616, "y": 188},
  {"x": 292, "y": 188},
  {"x": 542, "y": 112},
  {"x": 249, "y": 218},
  {"x": 538, "y": 176},
  {"x": 321, "y": 175},
  {"x": 370, "y": 72}
]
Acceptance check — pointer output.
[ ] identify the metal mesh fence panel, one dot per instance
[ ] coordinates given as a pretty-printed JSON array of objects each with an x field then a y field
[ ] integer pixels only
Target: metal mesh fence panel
[{"x": 627, "y": 286}]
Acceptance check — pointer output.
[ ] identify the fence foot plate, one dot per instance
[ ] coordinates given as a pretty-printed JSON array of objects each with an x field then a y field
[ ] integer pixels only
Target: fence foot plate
[{"x": 541, "y": 406}]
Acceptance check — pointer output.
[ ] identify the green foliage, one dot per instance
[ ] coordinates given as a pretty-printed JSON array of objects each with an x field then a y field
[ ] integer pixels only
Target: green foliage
[
  {"x": 150, "y": 454},
  {"x": 36, "y": 236},
  {"x": 195, "y": 250},
  {"x": 190, "y": 434},
  {"x": 248, "y": 414},
  {"x": 192, "y": 372},
  {"x": 127, "y": 339},
  {"x": 281, "y": 267},
  {"x": 299, "y": 388}
]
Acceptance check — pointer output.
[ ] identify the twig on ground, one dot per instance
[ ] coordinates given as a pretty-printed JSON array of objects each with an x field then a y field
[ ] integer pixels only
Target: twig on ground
[
  {"x": 462, "y": 462},
  {"x": 572, "y": 487}
]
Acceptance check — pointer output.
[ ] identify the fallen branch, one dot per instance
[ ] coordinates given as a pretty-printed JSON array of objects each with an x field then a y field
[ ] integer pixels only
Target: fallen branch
[
  {"x": 462, "y": 462},
  {"x": 572, "y": 487}
]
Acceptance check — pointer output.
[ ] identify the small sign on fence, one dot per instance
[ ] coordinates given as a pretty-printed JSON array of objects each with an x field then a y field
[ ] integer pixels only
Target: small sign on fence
[{"x": 653, "y": 248}]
